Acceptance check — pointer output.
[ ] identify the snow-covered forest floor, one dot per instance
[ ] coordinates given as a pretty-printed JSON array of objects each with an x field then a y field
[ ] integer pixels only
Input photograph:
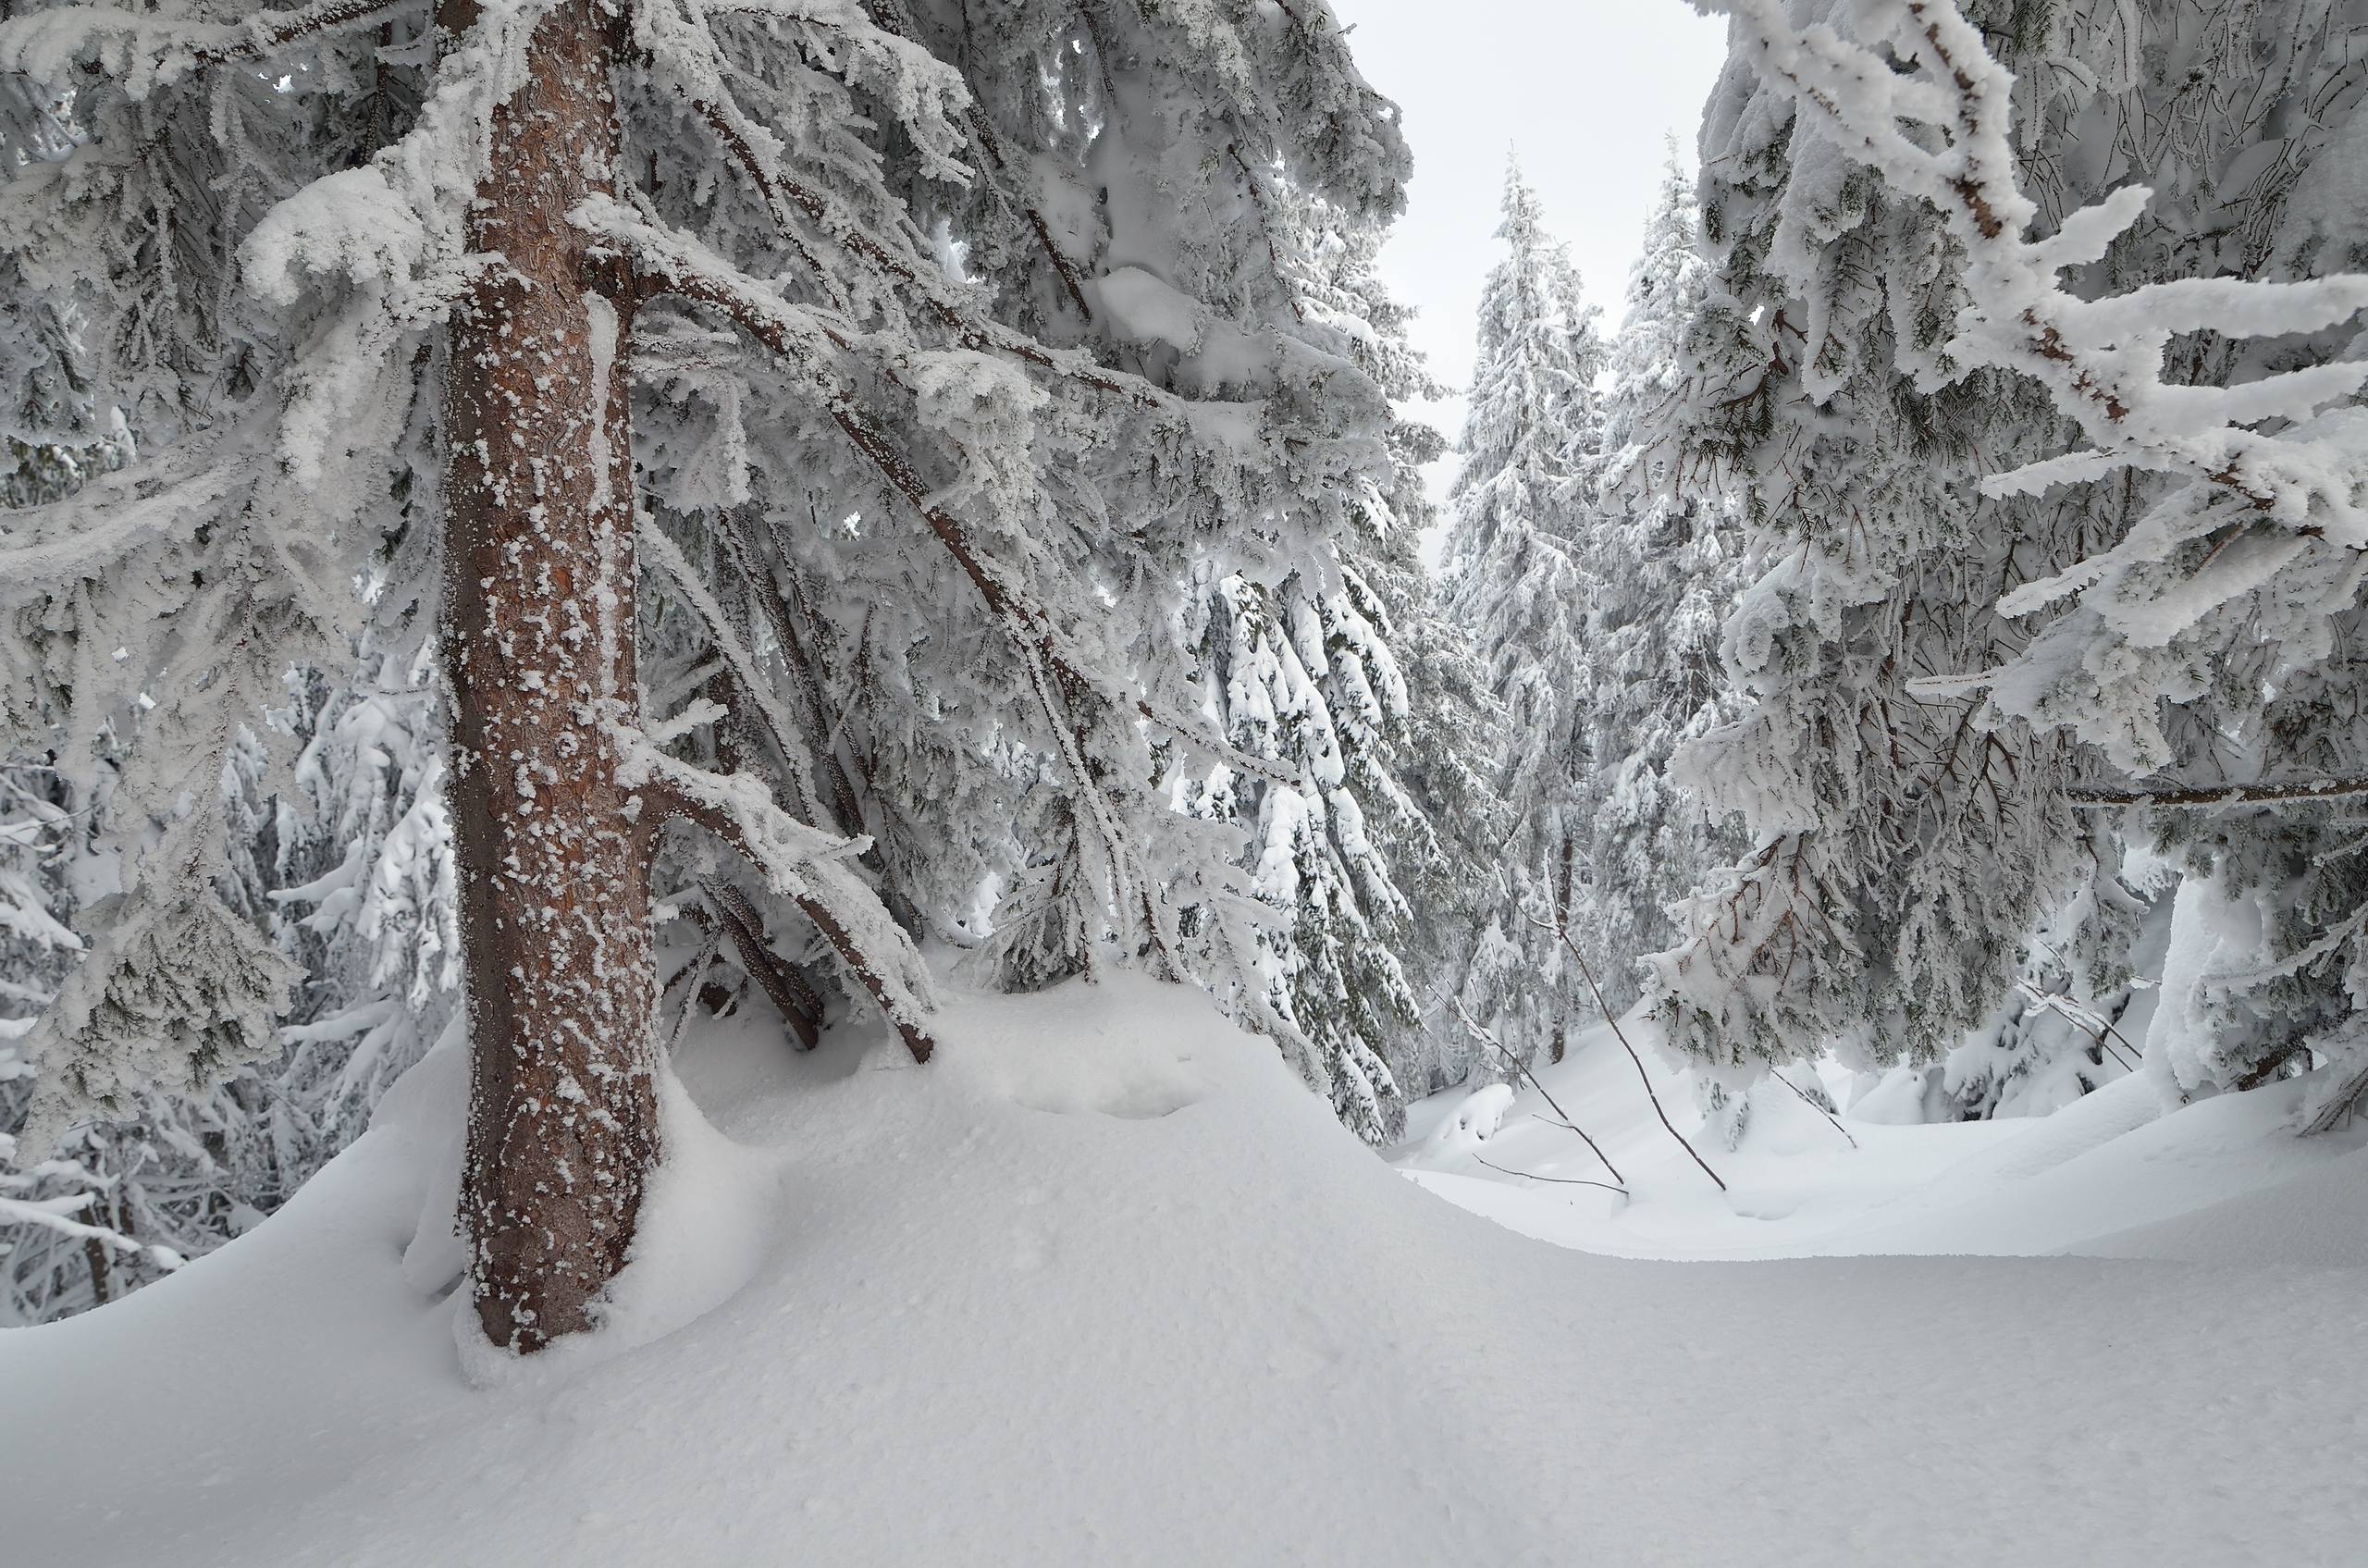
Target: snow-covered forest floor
[
  {"x": 2127, "y": 1171},
  {"x": 1105, "y": 1286}
]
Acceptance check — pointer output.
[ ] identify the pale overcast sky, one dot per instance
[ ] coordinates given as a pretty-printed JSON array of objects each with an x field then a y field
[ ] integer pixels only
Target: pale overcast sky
[{"x": 1584, "y": 89}]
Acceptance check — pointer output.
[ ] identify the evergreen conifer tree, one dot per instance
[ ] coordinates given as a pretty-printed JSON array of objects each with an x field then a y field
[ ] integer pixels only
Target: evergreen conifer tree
[
  {"x": 1319, "y": 675},
  {"x": 1667, "y": 556},
  {"x": 1889, "y": 329},
  {"x": 1515, "y": 582}
]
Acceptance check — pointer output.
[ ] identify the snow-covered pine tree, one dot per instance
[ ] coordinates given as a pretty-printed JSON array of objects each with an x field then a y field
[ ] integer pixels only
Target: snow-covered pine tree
[
  {"x": 1277, "y": 663},
  {"x": 2198, "y": 554},
  {"x": 1668, "y": 557},
  {"x": 948, "y": 346},
  {"x": 1421, "y": 768},
  {"x": 2267, "y": 974},
  {"x": 1443, "y": 822},
  {"x": 365, "y": 892},
  {"x": 1318, "y": 674},
  {"x": 350, "y": 871},
  {"x": 1514, "y": 582},
  {"x": 1444, "y": 835},
  {"x": 66, "y": 1215},
  {"x": 50, "y": 1221},
  {"x": 1903, "y": 842}
]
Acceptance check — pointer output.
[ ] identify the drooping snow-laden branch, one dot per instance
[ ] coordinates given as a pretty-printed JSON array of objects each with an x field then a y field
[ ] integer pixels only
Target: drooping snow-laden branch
[
  {"x": 784, "y": 193},
  {"x": 1061, "y": 688},
  {"x": 741, "y": 920},
  {"x": 738, "y": 659},
  {"x": 689, "y": 59},
  {"x": 56, "y": 1213},
  {"x": 2260, "y": 496},
  {"x": 2209, "y": 795},
  {"x": 754, "y": 570},
  {"x": 815, "y": 343},
  {"x": 147, "y": 50},
  {"x": 895, "y": 20},
  {"x": 799, "y": 863},
  {"x": 62, "y": 541},
  {"x": 2103, "y": 359},
  {"x": 693, "y": 68}
]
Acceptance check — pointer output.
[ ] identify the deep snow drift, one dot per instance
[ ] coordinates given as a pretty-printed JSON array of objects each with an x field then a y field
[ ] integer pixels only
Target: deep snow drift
[{"x": 1103, "y": 1286}]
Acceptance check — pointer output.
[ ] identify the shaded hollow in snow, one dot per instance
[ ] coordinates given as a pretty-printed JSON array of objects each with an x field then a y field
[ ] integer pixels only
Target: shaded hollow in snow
[{"x": 1103, "y": 1286}]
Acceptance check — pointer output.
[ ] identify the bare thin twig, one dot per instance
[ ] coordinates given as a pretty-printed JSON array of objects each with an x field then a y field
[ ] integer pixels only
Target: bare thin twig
[
  {"x": 1587, "y": 974},
  {"x": 1815, "y": 1106},
  {"x": 697, "y": 969},
  {"x": 1490, "y": 1040},
  {"x": 1557, "y": 1181}
]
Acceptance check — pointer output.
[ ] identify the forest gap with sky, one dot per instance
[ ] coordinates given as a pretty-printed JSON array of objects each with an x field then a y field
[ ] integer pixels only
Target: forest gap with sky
[{"x": 1610, "y": 78}]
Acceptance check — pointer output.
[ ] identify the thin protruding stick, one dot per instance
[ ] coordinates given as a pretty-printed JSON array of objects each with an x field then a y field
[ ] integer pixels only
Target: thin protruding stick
[
  {"x": 1490, "y": 1040},
  {"x": 1557, "y": 1181},
  {"x": 1622, "y": 1035},
  {"x": 697, "y": 969},
  {"x": 1815, "y": 1106}
]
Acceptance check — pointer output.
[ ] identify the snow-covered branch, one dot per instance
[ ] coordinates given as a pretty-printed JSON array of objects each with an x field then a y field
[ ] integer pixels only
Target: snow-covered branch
[
  {"x": 813, "y": 342},
  {"x": 801, "y": 864},
  {"x": 784, "y": 193},
  {"x": 2269, "y": 515},
  {"x": 57, "y": 1213},
  {"x": 738, "y": 658},
  {"x": 734, "y": 531},
  {"x": 147, "y": 50},
  {"x": 893, "y": 19},
  {"x": 2221, "y": 794},
  {"x": 1942, "y": 132}
]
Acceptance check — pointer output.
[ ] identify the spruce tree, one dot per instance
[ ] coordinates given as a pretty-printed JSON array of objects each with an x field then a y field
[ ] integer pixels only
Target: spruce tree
[
  {"x": 2105, "y": 538},
  {"x": 1668, "y": 555},
  {"x": 347, "y": 874},
  {"x": 1431, "y": 807},
  {"x": 1346, "y": 676},
  {"x": 1904, "y": 842},
  {"x": 1515, "y": 582}
]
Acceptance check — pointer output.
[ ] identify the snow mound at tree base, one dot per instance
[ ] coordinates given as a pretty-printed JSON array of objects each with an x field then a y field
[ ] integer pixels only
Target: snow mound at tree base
[{"x": 1105, "y": 1286}]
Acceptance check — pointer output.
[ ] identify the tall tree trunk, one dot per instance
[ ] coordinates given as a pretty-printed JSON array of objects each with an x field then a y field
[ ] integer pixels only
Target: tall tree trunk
[{"x": 538, "y": 633}]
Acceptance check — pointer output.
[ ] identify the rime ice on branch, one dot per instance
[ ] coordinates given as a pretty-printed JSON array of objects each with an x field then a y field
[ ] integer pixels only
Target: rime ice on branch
[{"x": 2185, "y": 557}]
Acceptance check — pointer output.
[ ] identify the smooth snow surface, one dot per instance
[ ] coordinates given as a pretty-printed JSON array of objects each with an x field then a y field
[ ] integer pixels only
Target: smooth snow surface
[{"x": 1105, "y": 1287}]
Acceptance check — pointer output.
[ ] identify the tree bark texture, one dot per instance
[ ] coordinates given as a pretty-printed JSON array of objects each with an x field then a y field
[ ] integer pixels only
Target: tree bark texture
[{"x": 537, "y": 637}]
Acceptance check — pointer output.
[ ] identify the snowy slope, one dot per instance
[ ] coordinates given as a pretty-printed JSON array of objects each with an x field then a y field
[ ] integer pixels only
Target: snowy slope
[{"x": 1105, "y": 1286}]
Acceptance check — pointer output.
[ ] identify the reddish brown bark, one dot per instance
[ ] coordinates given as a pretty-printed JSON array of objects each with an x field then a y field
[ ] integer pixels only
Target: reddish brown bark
[
  {"x": 792, "y": 996},
  {"x": 538, "y": 640}
]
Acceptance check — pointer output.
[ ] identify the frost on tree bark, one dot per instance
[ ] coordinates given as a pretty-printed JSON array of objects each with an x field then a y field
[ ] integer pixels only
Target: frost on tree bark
[{"x": 538, "y": 634}]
